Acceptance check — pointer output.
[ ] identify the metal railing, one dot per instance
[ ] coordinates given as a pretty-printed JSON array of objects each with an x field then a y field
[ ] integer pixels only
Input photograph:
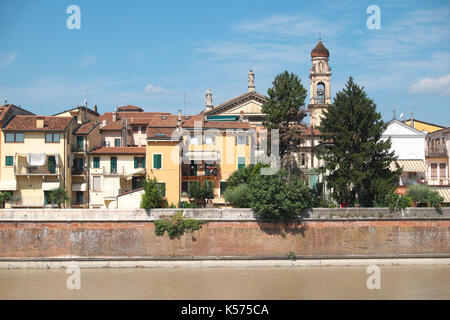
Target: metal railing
[
  {"x": 119, "y": 171},
  {"x": 437, "y": 152},
  {"x": 33, "y": 170},
  {"x": 437, "y": 181}
]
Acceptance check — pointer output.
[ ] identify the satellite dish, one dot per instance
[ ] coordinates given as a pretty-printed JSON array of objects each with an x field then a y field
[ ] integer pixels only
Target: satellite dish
[{"x": 401, "y": 116}]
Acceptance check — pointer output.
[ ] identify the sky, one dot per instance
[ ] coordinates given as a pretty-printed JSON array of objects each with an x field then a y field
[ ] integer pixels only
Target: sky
[{"x": 164, "y": 55}]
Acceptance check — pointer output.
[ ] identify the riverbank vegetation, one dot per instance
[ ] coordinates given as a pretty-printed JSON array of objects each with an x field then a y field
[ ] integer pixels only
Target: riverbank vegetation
[{"x": 177, "y": 225}]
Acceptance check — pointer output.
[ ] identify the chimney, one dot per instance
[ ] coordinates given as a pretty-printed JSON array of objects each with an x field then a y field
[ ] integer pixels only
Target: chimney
[
  {"x": 412, "y": 119},
  {"x": 95, "y": 108},
  {"x": 40, "y": 122},
  {"x": 241, "y": 116},
  {"x": 114, "y": 116}
]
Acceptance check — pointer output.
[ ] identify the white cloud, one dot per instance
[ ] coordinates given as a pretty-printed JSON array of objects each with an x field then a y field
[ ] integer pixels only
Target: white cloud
[
  {"x": 85, "y": 62},
  {"x": 7, "y": 58},
  {"x": 440, "y": 86},
  {"x": 151, "y": 88}
]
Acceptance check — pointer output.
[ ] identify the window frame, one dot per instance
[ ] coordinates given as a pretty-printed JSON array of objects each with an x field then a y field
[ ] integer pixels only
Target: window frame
[
  {"x": 115, "y": 142},
  {"x": 52, "y": 135},
  {"x": 14, "y": 134},
  {"x": 94, "y": 162},
  {"x": 245, "y": 162}
]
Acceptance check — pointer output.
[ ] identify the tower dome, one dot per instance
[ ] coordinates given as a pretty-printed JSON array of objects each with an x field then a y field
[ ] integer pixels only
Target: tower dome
[{"x": 320, "y": 51}]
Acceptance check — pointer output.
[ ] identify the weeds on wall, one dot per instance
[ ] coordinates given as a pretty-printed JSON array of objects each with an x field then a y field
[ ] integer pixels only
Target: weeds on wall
[{"x": 177, "y": 225}]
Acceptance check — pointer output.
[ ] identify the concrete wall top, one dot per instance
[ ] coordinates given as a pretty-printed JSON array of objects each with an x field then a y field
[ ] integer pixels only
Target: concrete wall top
[{"x": 225, "y": 214}]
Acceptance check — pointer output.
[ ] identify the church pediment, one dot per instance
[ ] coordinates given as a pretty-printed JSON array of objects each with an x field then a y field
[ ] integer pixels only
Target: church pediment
[{"x": 249, "y": 103}]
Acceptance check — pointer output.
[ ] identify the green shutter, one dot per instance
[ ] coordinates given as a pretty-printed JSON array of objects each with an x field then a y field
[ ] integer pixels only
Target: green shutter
[
  {"x": 241, "y": 162},
  {"x": 135, "y": 162},
  {"x": 9, "y": 160},
  {"x": 96, "y": 162},
  {"x": 157, "y": 161},
  {"x": 144, "y": 163}
]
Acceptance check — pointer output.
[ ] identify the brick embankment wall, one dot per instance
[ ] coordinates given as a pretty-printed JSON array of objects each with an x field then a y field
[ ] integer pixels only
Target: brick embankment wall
[{"x": 128, "y": 239}]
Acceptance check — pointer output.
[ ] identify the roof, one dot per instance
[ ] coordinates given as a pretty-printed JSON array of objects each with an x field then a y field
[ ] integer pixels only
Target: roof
[
  {"x": 133, "y": 118},
  {"x": 427, "y": 126},
  {"x": 405, "y": 126},
  {"x": 28, "y": 123},
  {"x": 80, "y": 107},
  {"x": 161, "y": 133},
  {"x": 85, "y": 128},
  {"x": 119, "y": 150},
  {"x": 5, "y": 108},
  {"x": 130, "y": 108},
  {"x": 320, "y": 51},
  {"x": 237, "y": 100},
  {"x": 441, "y": 131}
]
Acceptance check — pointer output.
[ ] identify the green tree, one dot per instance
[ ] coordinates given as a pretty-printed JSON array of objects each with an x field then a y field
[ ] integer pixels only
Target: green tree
[
  {"x": 244, "y": 174},
  {"x": 357, "y": 159},
  {"x": 274, "y": 197},
  {"x": 285, "y": 111},
  {"x": 59, "y": 196},
  {"x": 153, "y": 194},
  {"x": 4, "y": 196},
  {"x": 201, "y": 193}
]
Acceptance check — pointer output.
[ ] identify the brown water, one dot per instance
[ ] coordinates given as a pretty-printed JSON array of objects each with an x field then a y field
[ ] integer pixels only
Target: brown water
[{"x": 397, "y": 282}]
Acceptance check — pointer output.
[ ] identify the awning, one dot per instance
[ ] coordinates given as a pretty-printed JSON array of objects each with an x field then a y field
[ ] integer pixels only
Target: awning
[
  {"x": 409, "y": 165},
  {"x": 136, "y": 173},
  {"x": 79, "y": 186},
  {"x": 47, "y": 186},
  {"x": 8, "y": 185},
  {"x": 202, "y": 155},
  {"x": 444, "y": 193}
]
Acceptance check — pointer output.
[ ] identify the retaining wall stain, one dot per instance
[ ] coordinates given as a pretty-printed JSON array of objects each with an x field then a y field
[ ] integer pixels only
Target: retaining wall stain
[{"x": 258, "y": 239}]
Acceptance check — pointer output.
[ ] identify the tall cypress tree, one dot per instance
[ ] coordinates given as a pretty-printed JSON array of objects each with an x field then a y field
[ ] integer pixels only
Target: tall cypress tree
[
  {"x": 285, "y": 111},
  {"x": 356, "y": 158}
]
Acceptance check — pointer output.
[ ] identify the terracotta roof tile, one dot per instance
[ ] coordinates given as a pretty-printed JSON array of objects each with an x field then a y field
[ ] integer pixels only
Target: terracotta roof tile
[
  {"x": 161, "y": 133},
  {"x": 119, "y": 150},
  {"x": 130, "y": 108},
  {"x": 28, "y": 123},
  {"x": 85, "y": 128}
]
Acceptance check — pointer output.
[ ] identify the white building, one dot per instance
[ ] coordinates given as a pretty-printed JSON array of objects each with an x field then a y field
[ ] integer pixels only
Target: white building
[{"x": 408, "y": 144}]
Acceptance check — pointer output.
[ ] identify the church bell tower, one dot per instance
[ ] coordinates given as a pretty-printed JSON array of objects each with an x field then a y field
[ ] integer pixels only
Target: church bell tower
[{"x": 320, "y": 75}]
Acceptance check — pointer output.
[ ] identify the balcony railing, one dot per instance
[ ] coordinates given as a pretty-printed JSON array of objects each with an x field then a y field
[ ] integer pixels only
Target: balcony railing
[
  {"x": 437, "y": 181},
  {"x": 37, "y": 171},
  {"x": 437, "y": 153},
  {"x": 79, "y": 172},
  {"x": 118, "y": 171},
  {"x": 209, "y": 170},
  {"x": 76, "y": 148}
]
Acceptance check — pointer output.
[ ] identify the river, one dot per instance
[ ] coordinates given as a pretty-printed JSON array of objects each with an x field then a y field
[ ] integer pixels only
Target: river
[{"x": 349, "y": 282}]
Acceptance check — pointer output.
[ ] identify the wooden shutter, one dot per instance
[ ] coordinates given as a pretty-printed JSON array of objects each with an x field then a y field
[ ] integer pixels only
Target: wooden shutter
[{"x": 135, "y": 162}]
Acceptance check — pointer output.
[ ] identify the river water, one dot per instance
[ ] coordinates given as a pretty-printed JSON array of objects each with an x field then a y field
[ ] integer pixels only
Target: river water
[{"x": 349, "y": 282}]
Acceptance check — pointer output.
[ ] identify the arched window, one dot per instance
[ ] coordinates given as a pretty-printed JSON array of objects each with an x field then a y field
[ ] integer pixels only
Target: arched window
[{"x": 321, "y": 92}]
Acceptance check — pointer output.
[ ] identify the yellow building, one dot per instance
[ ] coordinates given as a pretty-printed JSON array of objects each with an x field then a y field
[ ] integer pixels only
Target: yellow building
[
  {"x": 422, "y": 125},
  {"x": 35, "y": 158},
  {"x": 182, "y": 149}
]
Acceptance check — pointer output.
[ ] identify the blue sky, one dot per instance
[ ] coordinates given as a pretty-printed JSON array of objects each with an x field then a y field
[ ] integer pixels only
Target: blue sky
[{"x": 149, "y": 53}]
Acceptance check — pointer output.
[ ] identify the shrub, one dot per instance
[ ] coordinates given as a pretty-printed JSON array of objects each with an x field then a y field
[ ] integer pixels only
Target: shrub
[
  {"x": 272, "y": 197},
  {"x": 422, "y": 194},
  {"x": 177, "y": 225},
  {"x": 396, "y": 202},
  {"x": 237, "y": 196},
  {"x": 59, "y": 196},
  {"x": 152, "y": 196},
  {"x": 187, "y": 205},
  {"x": 4, "y": 196},
  {"x": 244, "y": 174}
]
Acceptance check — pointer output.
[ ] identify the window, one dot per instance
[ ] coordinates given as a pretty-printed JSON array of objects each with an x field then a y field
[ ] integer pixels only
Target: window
[
  {"x": 96, "y": 162},
  {"x": 117, "y": 142},
  {"x": 139, "y": 162},
  {"x": 96, "y": 181},
  {"x": 51, "y": 164},
  {"x": 113, "y": 163},
  {"x": 184, "y": 187},
  {"x": 241, "y": 140},
  {"x": 80, "y": 143},
  {"x": 136, "y": 182},
  {"x": 157, "y": 161},
  {"x": 14, "y": 137},
  {"x": 241, "y": 162},
  {"x": 223, "y": 187},
  {"x": 162, "y": 188},
  {"x": 434, "y": 170},
  {"x": 9, "y": 161},
  {"x": 303, "y": 159},
  {"x": 52, "y": 138},
  {"x": 143, "y": 129},
  {"x": 195, "y": 139},
  {"x": 135, "y": 128},
  {"x": 209, "y": 139}
]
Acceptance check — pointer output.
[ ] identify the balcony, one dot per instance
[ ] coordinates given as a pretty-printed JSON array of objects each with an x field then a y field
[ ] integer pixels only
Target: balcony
[
  {"x": 437, "y": 181},
  {"x": 77, "y": 149},
  {"x": 437, "y": 153},
  {"x": 79, "y": 172},
  {"x": 117, "y": 171},
  {"x": 35, "y": 164},
  {"x": 200, "y": 170}
]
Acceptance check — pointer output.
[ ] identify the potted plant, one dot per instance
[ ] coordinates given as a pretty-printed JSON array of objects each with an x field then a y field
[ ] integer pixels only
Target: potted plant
[{"x": 17, "y": 199}]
